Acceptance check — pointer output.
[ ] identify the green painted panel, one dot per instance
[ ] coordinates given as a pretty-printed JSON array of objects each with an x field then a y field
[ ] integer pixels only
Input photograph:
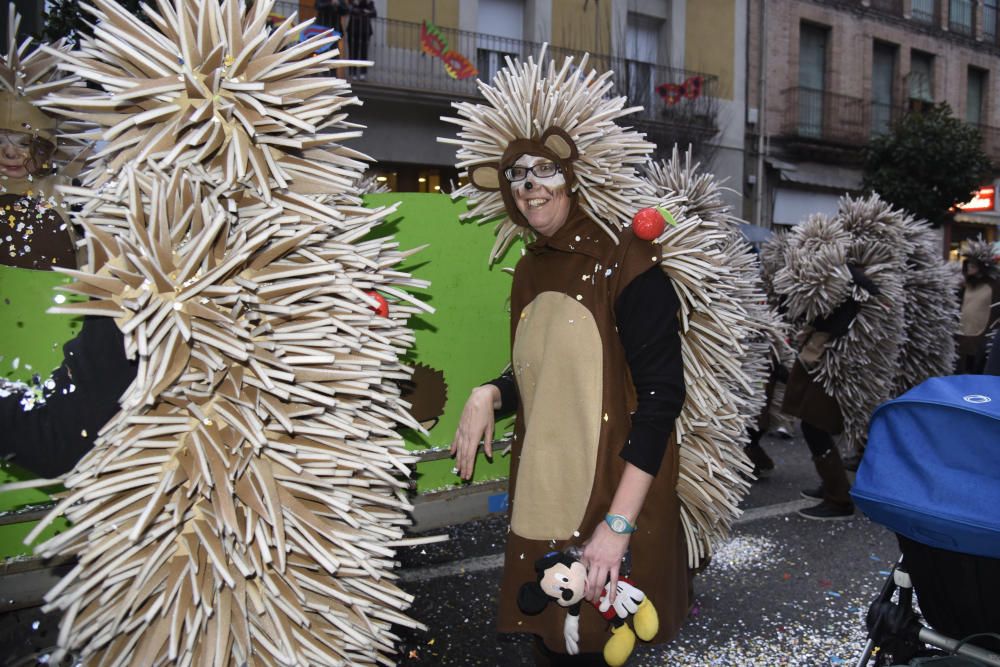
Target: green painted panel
[
  {"x": 12, "y": 535},
  {"x": 467, "y": 337},
  {"x": 32, "y": 340}
]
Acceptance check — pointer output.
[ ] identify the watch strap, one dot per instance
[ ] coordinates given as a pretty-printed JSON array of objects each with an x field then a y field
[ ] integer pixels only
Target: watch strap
[{"x": 619, "y": 524}]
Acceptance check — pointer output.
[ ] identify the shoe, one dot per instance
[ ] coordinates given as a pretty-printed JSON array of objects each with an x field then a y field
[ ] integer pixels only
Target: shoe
[
  {"x": 762, "y": 463},
  {"x": 852, "y": 462},
  {"x": 783, "y": 432},
  {"x": 812, "y": 494},
  {"x": 827, "y": 511}
]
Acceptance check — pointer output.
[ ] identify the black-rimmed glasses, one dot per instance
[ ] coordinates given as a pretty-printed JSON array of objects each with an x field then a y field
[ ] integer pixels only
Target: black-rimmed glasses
[{"x": 541, "y": 170}]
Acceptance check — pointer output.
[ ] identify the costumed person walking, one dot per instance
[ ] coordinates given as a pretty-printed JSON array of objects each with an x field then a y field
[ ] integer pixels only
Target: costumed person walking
[
  {"x": 979, "y": 297},
  {"x": 864, "y": 288},
  {"x": 246, "y": 504},
  {"x": 598, "y": 334}
]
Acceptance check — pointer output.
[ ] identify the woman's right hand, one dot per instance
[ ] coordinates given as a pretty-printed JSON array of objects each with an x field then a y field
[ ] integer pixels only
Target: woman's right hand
[{"x": 475, "y": 426}]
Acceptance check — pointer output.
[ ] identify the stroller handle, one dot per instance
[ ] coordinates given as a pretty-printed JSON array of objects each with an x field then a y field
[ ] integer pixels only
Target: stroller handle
[{"x": 934, "y": 638}]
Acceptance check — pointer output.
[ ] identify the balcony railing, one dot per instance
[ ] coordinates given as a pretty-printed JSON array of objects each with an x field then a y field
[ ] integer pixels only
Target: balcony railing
[
  {"x": 990, "y": 16},
  {"x": 818, "y": 117},
  {"x": 666, "y": 94},
  {"x": 824, "y": 116},
  {"x": 961, "y": 16}
]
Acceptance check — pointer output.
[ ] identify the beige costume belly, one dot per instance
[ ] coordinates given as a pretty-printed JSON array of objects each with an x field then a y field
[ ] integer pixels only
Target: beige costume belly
[
  {"x": 975, "y": 309},
  {"x": 559, "y": 369}
]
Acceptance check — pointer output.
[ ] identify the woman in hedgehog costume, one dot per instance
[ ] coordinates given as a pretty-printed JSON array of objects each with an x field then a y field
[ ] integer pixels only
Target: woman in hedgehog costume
[{"x": 603, "y": 331}]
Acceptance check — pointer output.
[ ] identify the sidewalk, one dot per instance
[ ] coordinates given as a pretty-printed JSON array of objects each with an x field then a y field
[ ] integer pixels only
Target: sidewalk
[{"x": 783, "y": 591}]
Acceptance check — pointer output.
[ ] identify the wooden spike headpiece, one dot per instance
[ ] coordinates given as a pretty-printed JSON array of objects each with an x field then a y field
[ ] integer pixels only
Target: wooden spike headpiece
[{"x": 566, "y": 112}]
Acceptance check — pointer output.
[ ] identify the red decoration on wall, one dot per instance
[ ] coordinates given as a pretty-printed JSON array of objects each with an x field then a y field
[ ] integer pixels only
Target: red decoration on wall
[
  {"x": 672, "y": 93},
  {"x": 432, "y": 42},
  {"x": 458, "y": 66}
]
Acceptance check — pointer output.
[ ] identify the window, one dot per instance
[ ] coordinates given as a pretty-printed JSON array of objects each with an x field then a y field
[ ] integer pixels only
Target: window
[
  {"x": 960, "y": 16},
  {"x": 921, "y": 77},
  {"x": 500, "y": 29},
  {"x": 812, "y": 78},
  {"x": 642, "y": 44},
  {"x": 924, "y": 11},
  {"x": 990, "y": 21},
  {"x": 883, "y": 81},
  {"x": 975, "y": 95}
]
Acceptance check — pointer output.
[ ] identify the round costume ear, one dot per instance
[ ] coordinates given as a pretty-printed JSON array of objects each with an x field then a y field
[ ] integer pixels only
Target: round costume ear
[
  {"x": 559, "y": 142},
  {"x": 531, "y": 599},
  {"x": 485, "y": 176}
]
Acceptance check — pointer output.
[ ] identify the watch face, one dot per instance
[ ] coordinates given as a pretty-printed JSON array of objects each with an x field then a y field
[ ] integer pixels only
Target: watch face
[{"x": 619, "y": 525}]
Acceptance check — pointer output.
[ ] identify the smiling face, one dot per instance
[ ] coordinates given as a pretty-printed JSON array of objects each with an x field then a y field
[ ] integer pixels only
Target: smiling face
[
  {"x": 15, "y": 150},
  {"x": 543, "y": 201}
]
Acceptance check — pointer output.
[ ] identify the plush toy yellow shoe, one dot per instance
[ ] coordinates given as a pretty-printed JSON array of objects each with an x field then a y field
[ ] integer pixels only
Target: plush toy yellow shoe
[
  {"x": 646, "y": 621},
  {"x": 619, "y": 647}
]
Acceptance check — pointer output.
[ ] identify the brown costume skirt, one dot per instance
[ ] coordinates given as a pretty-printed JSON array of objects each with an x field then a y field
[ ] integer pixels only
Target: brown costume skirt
[
  {"x": 659, "y": 568},
  {"x": 806, "y": 399}
]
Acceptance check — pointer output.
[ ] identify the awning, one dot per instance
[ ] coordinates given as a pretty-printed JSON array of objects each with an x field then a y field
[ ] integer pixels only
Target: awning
[
  {"x": 986, "y": 218},
  {"x": 816, "y": 175},
  {"x": 792, "y": 207}
]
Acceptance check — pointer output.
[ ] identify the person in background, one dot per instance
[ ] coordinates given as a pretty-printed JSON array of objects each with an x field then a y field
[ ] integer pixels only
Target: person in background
[
  {"x": 820, "y": 412},
  {"x": 980, "y": 305},
  {"x": 359, "y": 32}
]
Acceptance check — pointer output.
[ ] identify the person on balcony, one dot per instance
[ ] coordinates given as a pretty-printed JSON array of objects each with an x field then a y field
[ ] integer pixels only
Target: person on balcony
[{"x": 359, "y": 33}]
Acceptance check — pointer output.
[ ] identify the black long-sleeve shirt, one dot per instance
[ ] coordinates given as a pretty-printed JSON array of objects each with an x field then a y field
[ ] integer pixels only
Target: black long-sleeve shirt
[
  {"x": 646, "y": 316},
  {"x": 50, "y": 438}
]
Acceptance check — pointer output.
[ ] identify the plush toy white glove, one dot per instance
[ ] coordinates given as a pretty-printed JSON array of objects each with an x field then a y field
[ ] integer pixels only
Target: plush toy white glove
[
  {"x": 627, "y": 599},
  {"x": 571, "y": 633}
]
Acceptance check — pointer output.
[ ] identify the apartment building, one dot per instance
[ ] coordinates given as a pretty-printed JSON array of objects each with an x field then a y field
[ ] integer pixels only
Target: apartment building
[
  {"x": 684, "y": 61},
  {"x": 825, "y": 76}
]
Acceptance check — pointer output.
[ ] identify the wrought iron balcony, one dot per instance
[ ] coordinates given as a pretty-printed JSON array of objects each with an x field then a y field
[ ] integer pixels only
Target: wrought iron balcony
[
  {"x": 991, "y": 33},
  {"x": 402, "y": 64},
  {"x": 818, "y": 119},
  {"x": 821, "y": 116}
]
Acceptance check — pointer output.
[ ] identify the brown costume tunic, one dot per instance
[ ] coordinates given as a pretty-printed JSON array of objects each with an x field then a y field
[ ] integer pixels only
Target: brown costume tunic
[{"x": 576, "y": 397}]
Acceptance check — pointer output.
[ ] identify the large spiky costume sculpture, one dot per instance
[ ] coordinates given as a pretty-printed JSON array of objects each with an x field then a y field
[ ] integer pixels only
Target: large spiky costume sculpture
[
  {"x": 245, "y": 505},
  {"x": 866, "y": 366},
  {"x": 525, "y": 99},
  {"x": 930, "y": 309}
]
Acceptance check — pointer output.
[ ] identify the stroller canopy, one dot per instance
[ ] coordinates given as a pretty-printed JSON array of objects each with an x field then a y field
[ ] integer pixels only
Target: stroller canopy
[{"x": 931, "y": 471}]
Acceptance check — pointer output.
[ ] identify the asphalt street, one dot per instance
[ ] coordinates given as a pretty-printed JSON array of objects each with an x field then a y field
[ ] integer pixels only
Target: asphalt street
[{"x": 783, "y": 591}]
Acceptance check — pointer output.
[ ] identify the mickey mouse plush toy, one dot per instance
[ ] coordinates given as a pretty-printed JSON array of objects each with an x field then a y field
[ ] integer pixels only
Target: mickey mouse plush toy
[{"x": 562, "y": 579}]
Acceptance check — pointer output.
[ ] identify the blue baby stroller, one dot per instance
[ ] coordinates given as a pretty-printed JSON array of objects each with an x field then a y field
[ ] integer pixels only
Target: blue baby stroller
[{"x": 931, "y": 474}]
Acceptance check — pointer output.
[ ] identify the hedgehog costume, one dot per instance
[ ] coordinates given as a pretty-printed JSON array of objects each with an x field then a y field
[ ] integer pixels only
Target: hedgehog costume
[
  {"x": 578, "y": 366},
  {"x": 245, "y": 505},
  {"x": 865, "y": 287}
]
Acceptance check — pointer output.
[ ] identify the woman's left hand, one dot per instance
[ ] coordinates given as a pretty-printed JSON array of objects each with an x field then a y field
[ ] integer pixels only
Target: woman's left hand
[{"x": 602, "y": 556}]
